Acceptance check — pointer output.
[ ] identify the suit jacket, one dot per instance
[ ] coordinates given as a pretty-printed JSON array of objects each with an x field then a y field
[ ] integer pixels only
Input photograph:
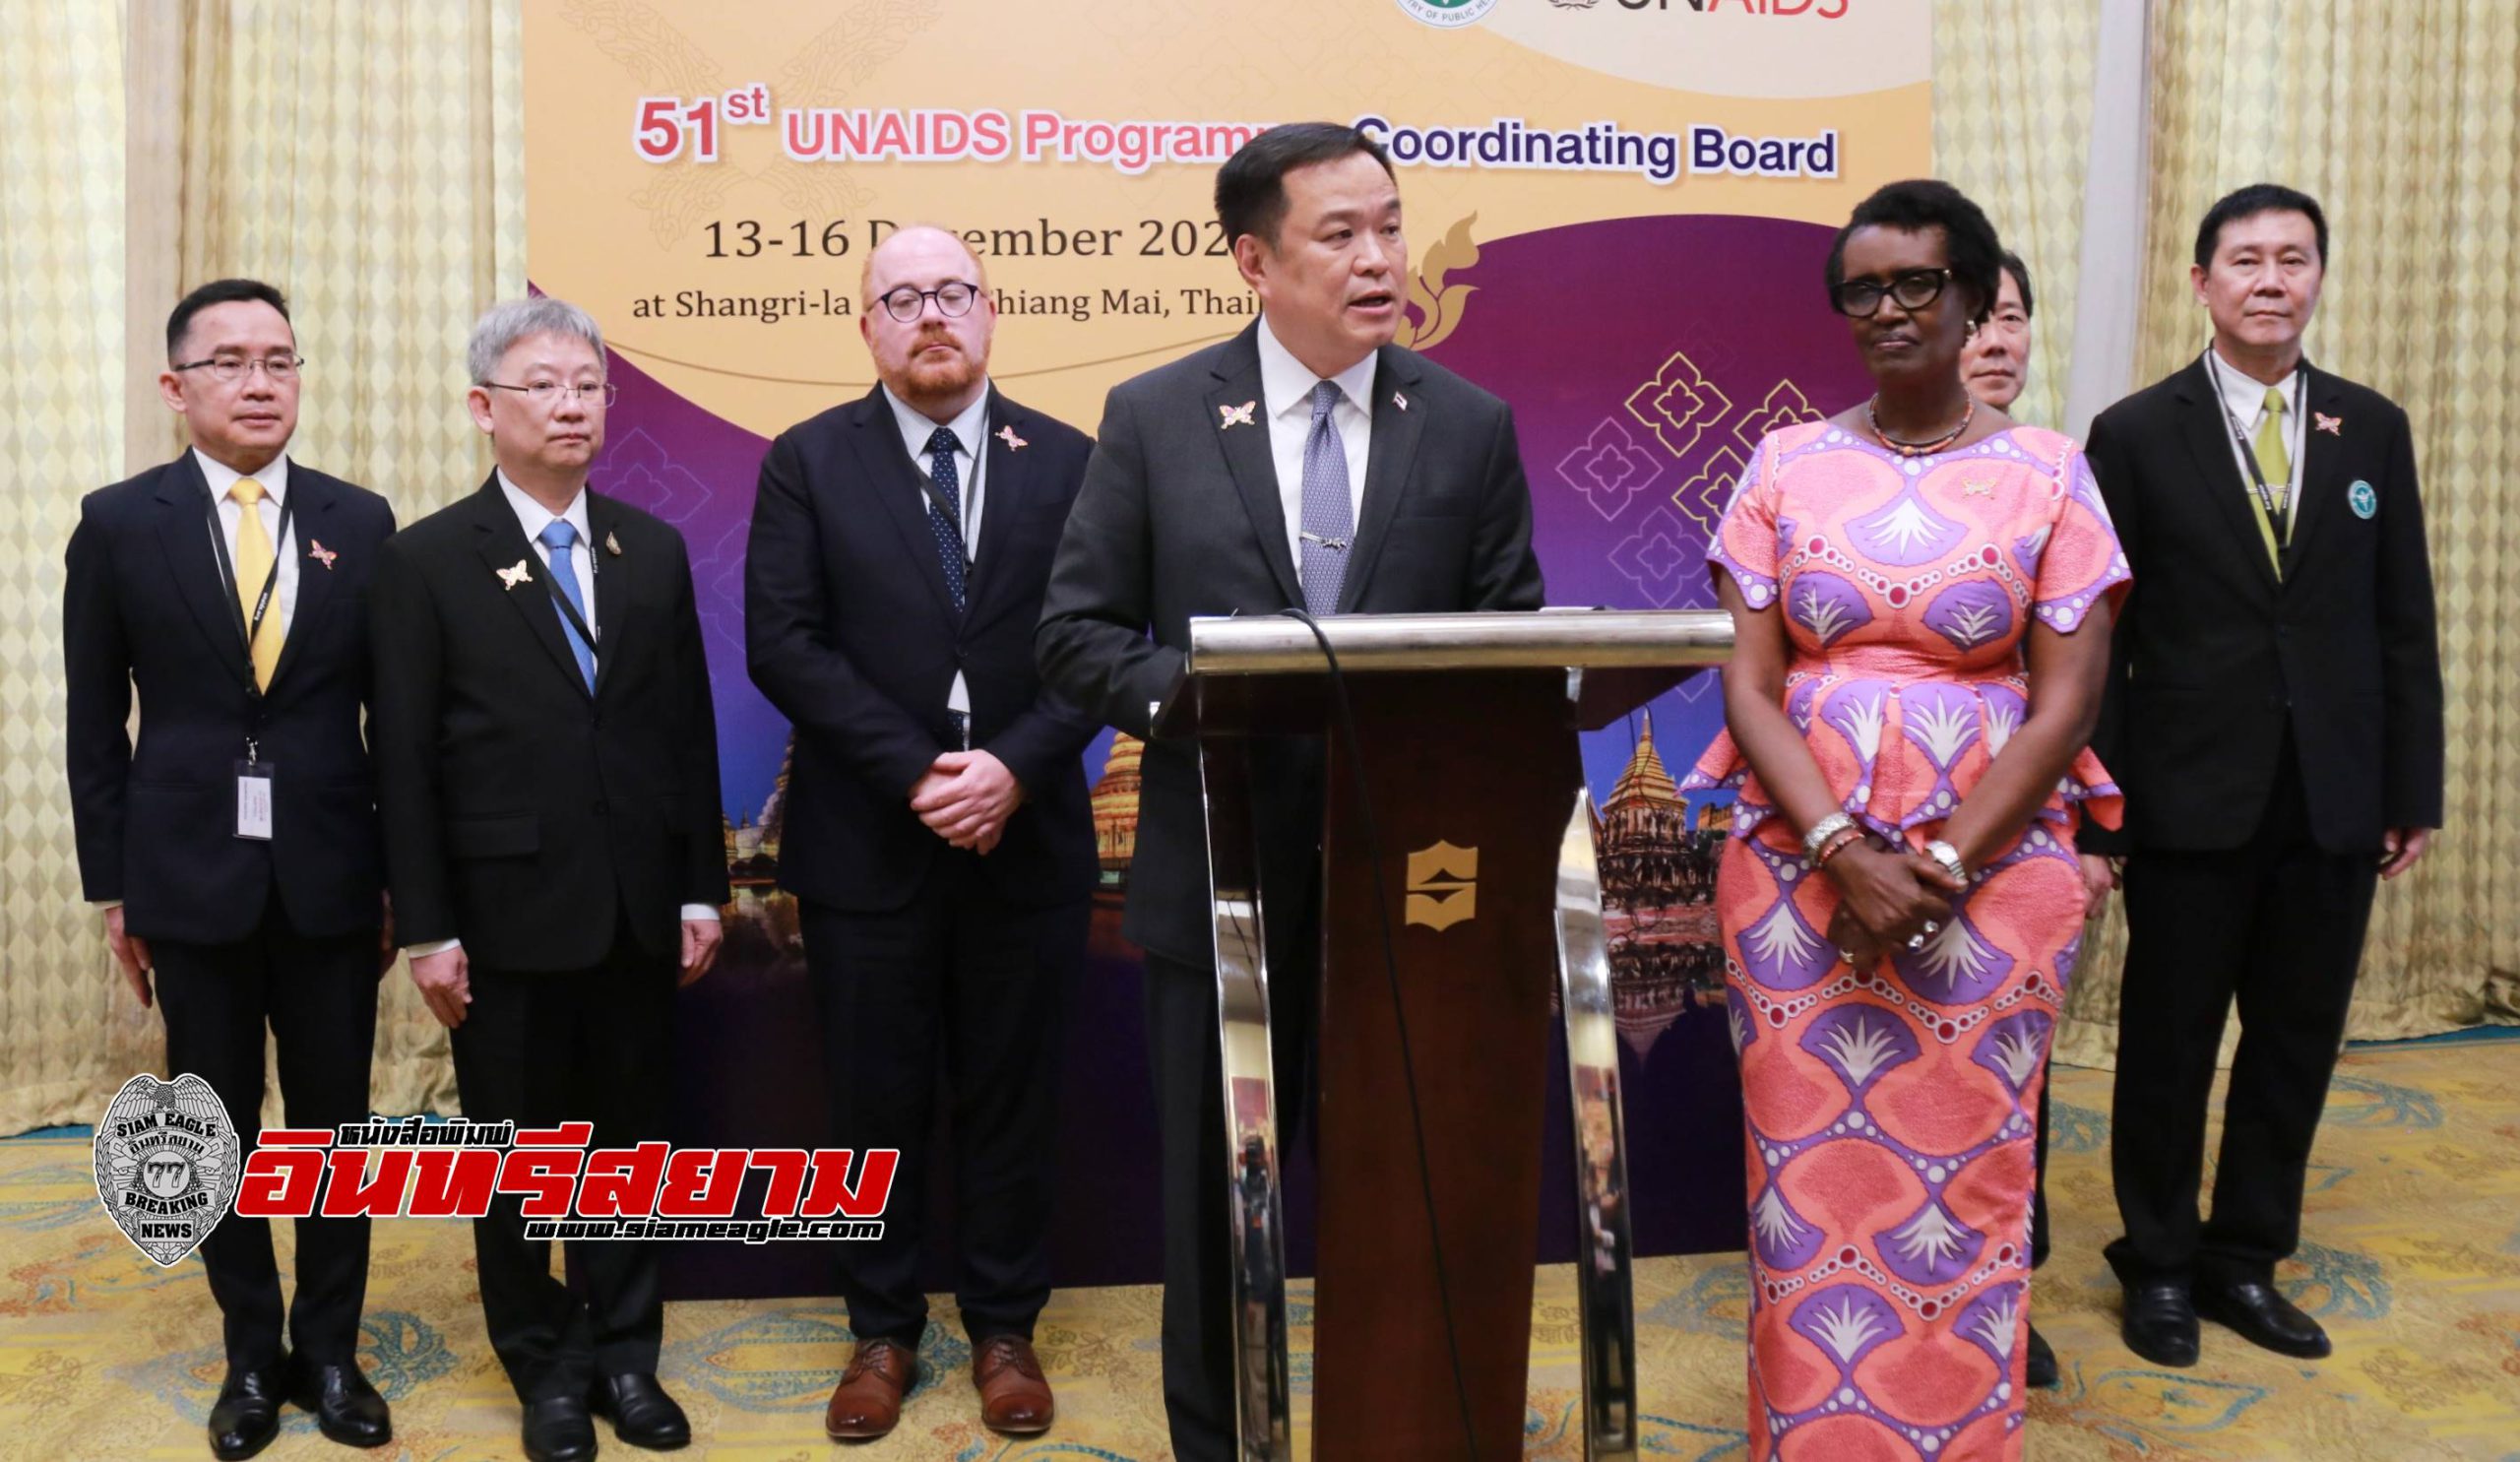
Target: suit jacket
[
  {"x": 144, "y": 606},
  {"x": 523, "y": 814},
  {"x": 1180, "y": 516},
  {"x": 853, "y": 634},
  {"x": 2215, "y": 657}
]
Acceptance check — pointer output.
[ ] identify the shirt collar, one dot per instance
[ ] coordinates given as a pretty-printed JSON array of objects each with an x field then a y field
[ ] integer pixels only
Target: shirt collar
[
  {"x": 273, "y": 477},
  {"x": 533, "y": 517},
  {"x": 916, "y": 426},
  {"x": 1287, "y": 383},
  {"x": 2246, "y": 394}
]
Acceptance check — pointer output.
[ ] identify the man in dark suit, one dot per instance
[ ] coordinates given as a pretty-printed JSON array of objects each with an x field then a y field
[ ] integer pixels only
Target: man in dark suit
[
  {"x": 1307, "y": 463},
  {"x": 2274, "y": 716},
  {"x": 547, "y": 768},
  {"x": 230, "y": 586},
  {"x": 937, "y": 838}
]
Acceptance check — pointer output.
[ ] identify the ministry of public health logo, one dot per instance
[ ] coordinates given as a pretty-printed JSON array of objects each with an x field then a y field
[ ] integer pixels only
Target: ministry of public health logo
[
  {"x": 168, "y": 1163},
  {"x": 1447, "y": 14}
]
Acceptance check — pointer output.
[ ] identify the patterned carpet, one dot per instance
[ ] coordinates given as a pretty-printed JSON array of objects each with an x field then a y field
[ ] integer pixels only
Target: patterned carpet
[{"x": 2413, "y": 1264}]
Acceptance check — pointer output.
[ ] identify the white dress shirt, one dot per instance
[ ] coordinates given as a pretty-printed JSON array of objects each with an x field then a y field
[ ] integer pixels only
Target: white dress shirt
[
  {"x": 533, "y": 517},
  {"x": 1286, "y": 389},
  {"x": 275, "y": 480},
  {"x": 970, "y": 465},
  {"x": 2246, "y": 395}
]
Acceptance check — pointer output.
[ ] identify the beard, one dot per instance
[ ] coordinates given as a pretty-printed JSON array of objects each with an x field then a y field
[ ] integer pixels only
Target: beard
[{"x": 927, "y": 378}]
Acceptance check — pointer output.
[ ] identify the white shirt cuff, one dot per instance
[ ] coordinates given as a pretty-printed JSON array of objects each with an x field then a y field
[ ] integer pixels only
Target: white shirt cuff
[
  {"x": 437, "y": 946},
  {"x": 707, "y": 912},
  {"x": 101, "y": 904}
]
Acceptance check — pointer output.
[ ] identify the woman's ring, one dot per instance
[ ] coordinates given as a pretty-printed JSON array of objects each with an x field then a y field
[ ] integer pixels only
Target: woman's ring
[{"x": 1915, "y": 941}]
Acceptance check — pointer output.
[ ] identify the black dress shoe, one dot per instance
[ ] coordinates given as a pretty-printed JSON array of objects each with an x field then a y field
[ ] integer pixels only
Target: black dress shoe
[
  {"x": 642, "y": 1414},
  {"x": 556, "y": 1429},
  {"x": 246, "y": 1415},
  {"x": 2265, "y": 1318},
  {"x": 346, "y": 1408},
  {"x": 2042, "y": 1361},
  {"x": 2161, "y": 1323}
]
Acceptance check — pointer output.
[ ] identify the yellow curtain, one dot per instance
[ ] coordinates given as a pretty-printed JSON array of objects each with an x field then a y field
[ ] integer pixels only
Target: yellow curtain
[
  {"x": 2012, "y": 98},
  {"x": 367, "y": 160},
  {"x": 65, "y": 1021}
]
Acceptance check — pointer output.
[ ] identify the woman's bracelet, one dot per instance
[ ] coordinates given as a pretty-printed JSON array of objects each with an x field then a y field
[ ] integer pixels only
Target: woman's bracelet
[
  {"x": 1838, "y": 843},
  {"x": 1822, "y": 831}
]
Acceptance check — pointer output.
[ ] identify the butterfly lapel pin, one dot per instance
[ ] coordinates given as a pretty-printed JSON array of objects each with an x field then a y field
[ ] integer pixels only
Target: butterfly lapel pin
[
  {"x": 316, "y": 550},
  {"x": 1236, "y": 416},
  {"x": 2332, "y": 425},
  {"x": 1013, "y": 442},
  {"x": 509, "y": 578},
  {"x": 612, "y": 546},
  {"x": 1399, "y": 401}
]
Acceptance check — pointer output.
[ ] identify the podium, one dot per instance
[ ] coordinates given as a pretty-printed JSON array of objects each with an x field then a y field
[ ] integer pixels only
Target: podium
[{"x": 1458, "y": 874}]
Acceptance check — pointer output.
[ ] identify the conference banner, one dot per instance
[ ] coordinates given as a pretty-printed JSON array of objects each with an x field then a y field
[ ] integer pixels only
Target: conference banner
[{"x": 1617, "y": 211}]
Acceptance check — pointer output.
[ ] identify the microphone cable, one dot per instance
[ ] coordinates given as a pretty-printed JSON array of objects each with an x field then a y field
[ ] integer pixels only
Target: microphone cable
[{"x": 1398, "y": 1015}]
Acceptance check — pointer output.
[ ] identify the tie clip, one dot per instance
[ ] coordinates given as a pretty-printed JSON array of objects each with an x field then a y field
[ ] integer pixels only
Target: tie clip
[{"x": 1334, "y": 546}]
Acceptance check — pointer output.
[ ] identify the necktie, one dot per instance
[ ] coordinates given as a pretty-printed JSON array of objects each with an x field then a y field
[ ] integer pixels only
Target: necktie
[
  {"x": 945, "y": 518},
  {"x": 2272, "y": 459},
  {"x": 1329, "y": 519},
  {"x": 560, "y": 538},
  {"x": 253, "y": 565}
]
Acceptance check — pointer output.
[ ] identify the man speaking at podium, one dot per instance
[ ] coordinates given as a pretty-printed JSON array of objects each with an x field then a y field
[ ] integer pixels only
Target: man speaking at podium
[{"x": 1309, "y": 462}]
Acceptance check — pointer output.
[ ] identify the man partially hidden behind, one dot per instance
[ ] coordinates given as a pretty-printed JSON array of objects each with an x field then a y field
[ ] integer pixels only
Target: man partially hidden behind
[
  {"x": 229, "y": 588},
  {"x": 938, "y": 839},
  {"x": 1995, "y": 367},
  {"x": 547, "y": 766},
  {"x": 2274, "y": 716},
  {"x": 1307, "y": 463}
]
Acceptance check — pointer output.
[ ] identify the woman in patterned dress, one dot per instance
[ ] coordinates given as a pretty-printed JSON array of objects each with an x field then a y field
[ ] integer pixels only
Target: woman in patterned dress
[{"x": 1921, "y": 593}]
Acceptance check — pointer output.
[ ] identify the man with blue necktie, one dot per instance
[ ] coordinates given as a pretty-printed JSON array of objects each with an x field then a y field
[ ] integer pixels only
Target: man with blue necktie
[{"x": 548, "y": 769}]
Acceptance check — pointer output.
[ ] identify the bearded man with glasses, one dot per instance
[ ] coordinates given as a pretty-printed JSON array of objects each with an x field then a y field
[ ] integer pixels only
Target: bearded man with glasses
[
  {"x": 938, "y": 837},
  {"x": 228, "y": 588}
]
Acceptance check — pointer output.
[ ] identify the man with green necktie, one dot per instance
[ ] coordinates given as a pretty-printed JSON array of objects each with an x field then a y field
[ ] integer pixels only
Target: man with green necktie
[{"x": 2273, "y": 715}]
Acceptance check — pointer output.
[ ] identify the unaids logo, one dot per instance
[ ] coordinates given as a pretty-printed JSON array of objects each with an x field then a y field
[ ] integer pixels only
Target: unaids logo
[{"x": 1447, "y": 14}]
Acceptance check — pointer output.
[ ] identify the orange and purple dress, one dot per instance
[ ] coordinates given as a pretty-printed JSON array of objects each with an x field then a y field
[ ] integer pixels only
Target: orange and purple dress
[{"x": 1890, "y": 1109}]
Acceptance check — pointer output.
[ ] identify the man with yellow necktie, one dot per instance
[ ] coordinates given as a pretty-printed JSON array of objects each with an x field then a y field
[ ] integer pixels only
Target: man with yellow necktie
[
  {"x": 234, "y": 850},
  {"x": 2273, "y": 715}
]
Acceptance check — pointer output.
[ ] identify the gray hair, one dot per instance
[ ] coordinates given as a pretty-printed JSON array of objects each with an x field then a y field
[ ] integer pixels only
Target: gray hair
[{"x": 505, "y": 323}]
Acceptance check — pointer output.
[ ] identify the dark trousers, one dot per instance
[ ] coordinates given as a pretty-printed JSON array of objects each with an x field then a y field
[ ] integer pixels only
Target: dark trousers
[
  {"x": 540, "y": 1047},
  {"x": 318, "y": 998},
  {"x": 958, "y": 988},
  {"x": 2277, "y": 926},
  {"x": 2039, "y": 1180},
  {"x": 1198, "y": 1237}
]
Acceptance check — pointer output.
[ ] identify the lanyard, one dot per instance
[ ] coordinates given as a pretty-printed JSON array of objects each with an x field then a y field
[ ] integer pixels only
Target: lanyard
[
  {"x": 560, "y": 600},
  {"x": 228, "y": 570},
  {"x": 961, "y": 519},
  {"x": 2276, "y": 515}
]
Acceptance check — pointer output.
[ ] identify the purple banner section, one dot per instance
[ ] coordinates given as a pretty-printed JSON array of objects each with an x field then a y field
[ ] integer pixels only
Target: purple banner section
[{"x": 1644, "y": 359}]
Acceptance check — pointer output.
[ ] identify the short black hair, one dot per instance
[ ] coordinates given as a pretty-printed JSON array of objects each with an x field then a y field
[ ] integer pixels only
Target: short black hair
[
  {"x": 1251, "y": 186},
  {"x": 1971, "y": 248},
  {"x": 2248, "y": 203},
  {"x": 2020, "y": 273},
  {"x": 218, "y": 291}
]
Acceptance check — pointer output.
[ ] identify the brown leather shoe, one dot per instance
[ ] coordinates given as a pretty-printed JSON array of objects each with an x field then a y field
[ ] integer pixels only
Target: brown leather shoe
[
  {"x": 867, "y": 1402},
  {"x": 1014, "y": 1398}
]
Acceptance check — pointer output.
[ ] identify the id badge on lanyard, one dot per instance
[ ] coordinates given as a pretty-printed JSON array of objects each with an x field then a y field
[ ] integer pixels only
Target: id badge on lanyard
[{"x": 254, "y": 796}]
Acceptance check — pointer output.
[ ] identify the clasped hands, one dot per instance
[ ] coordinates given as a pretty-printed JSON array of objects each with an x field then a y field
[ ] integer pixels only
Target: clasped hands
[
  {"x": 966, "y": 797},
  {"x": 1891, "y": 900}
]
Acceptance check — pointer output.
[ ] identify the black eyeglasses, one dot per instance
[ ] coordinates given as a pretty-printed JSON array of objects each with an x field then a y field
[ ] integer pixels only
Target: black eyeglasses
[
  {"x": 1913, "y": 289},
  {"x": 953, "y": 299}
]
